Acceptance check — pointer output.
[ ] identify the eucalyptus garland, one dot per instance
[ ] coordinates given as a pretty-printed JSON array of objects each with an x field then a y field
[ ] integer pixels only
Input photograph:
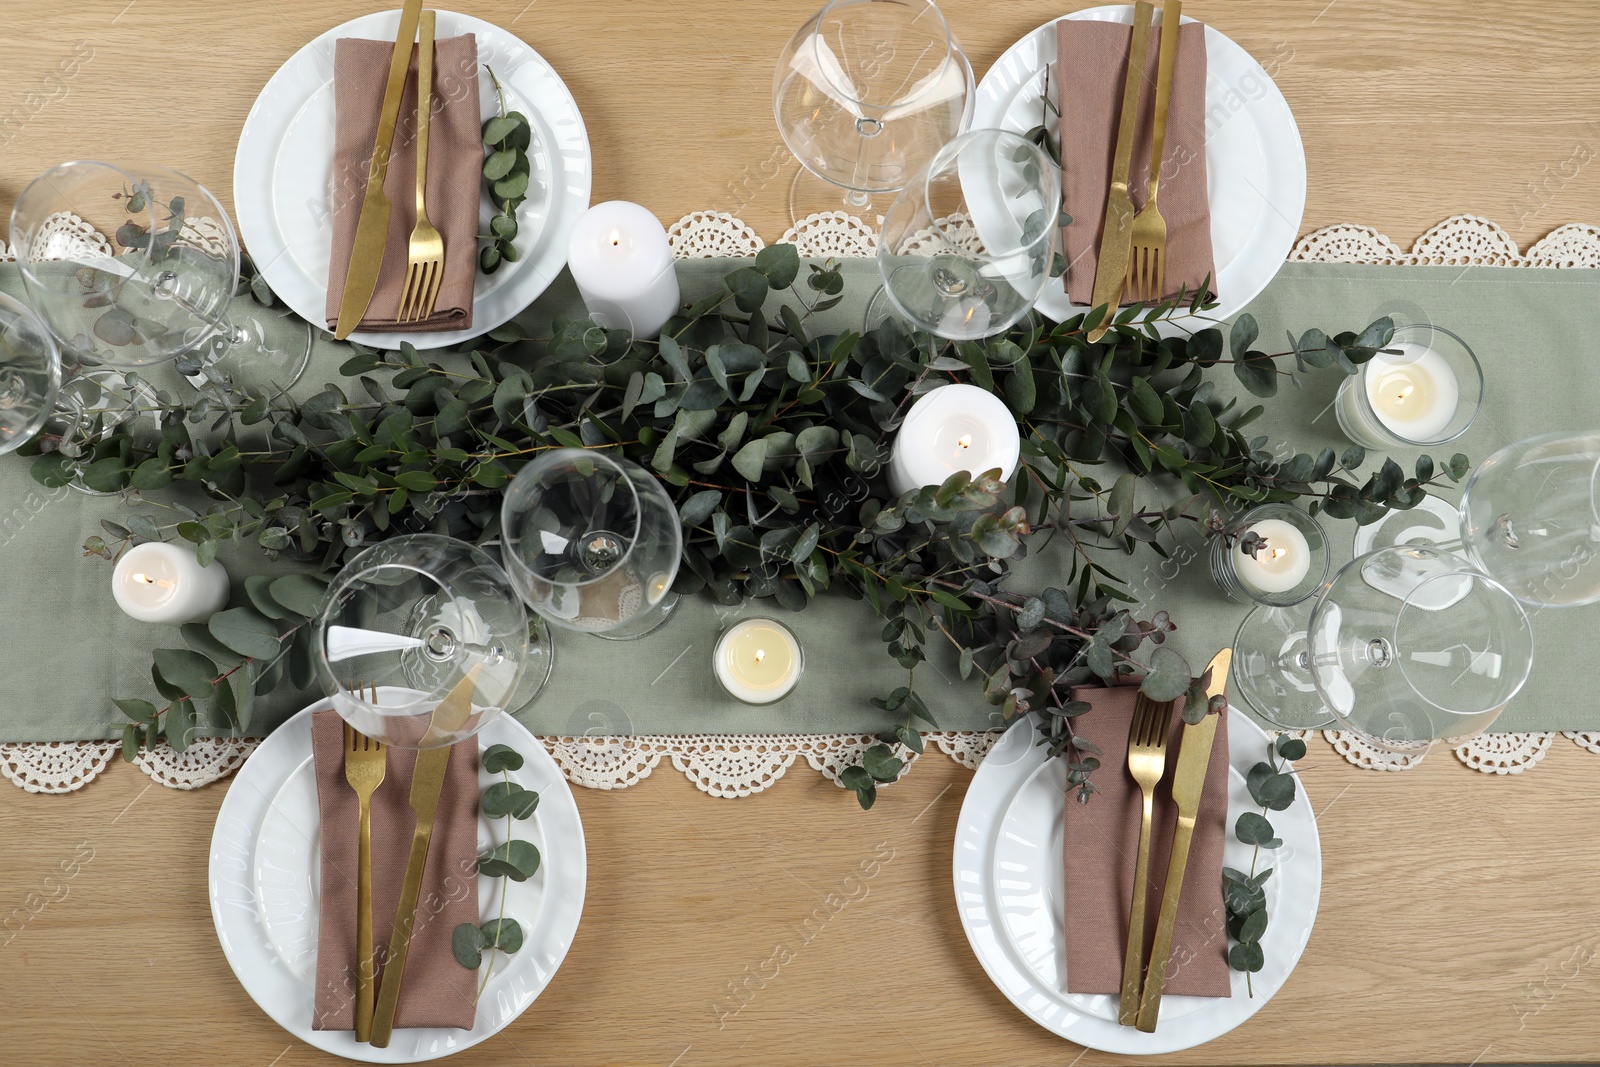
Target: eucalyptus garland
[{"x": 771, "y": 436}]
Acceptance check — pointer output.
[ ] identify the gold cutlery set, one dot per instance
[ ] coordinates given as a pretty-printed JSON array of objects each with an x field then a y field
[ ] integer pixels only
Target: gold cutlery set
[
  {"x": 365, "y": 764},
  {"x": 425, "y": 259},
  {"x": 1133, "y": 247},
  {"x": 1147, "y": 762}
]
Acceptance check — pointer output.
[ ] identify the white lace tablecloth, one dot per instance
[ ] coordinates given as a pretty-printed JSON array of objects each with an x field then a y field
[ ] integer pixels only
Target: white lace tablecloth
[{"x": 738, "y": 766}]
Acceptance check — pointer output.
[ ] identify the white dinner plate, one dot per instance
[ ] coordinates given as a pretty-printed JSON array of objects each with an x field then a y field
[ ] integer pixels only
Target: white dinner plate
[
  {"x": 265, "y": 876},
  {"x": 1009, "y": 879},
  {"x": 283, "y": 175},
  {"x": 1255, "y": 163}
]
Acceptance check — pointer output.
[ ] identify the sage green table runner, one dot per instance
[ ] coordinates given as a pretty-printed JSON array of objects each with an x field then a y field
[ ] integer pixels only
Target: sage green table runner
[{"x": 65, "y": 648}]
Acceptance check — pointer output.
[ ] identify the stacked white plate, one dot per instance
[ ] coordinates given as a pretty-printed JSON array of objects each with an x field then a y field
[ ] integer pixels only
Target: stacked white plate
[
  {"x": 283, "y": 175},
  {"x": 265, "y": 876},
  {"x": 1255, "y": 163},
  {"x": 1010, "y": 876}
]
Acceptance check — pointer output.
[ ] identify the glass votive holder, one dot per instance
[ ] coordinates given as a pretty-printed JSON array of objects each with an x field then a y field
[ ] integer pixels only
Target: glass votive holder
[
  {"x": 758, "y": 660},
  {"x": 1425, "y": 394},
  {"x": 1285, "y": 561}
]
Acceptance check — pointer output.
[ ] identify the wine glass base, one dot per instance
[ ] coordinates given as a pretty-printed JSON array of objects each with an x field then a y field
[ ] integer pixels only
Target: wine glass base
[
  {"x": 261, "y": 351},
  {"x": 537, "y": 664},
  {"x": 809, "y": 194},
  {"x": 95, "y": 401},
  {"x": 1271, "y": 669},
  {"x": 1432, "y": 522},
  {"x": 646, "y": 622}
]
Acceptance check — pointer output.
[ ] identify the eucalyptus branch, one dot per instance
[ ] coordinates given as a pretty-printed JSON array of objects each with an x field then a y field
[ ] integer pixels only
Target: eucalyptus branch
[{"x": 771, "y": 436}]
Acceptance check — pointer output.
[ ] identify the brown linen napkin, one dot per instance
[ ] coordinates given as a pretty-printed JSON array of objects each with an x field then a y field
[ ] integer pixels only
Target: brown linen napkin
[
  {"x": 455, "y": 161},
  {"x": 1102, "y": 843},
  {"x": 437, "y": 991},
  {"x": 1092, "y": 61}
]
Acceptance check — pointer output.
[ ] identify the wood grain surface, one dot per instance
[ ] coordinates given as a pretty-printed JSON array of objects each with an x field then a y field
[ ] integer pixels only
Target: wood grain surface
[{"x": 1457, "y": 920}]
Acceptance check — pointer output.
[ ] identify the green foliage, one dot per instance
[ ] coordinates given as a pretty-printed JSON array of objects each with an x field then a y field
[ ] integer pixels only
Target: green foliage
[
  {"x": 771, "y": 436},
  {"x": 1271, "y": 785},
  {"x": 506, "y": 174},
  {"x": 514, "y": 860}
]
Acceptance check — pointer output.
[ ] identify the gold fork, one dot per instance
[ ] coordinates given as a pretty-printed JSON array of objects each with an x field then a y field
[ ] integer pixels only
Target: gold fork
[
  {"x": 1147, "y": 761},
  {"x": 425, "y": 258},
  {"x": 365, "y": 763},
  {"x": 1147, "y": 266}
]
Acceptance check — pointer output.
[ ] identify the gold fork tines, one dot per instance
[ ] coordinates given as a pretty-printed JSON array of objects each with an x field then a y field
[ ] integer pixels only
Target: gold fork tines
[
  {"x": 365, "y": 763},
  {"x": 1147, "y": 761},
  {"x": 425, "y": 257},
  {"x": 1147, "y": 257}
]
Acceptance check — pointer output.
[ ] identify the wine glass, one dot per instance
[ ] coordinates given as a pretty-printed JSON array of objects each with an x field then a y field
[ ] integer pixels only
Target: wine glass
[
  {"x": 592, "y": 542},
  {"x": 411, "y": 618},
  {"x": 966, "y": 248},
  {"x": 1405, "y": 646},
  {"x": 865, "y": 93},
  {"x": 1529, "y": 517},
  {"x": 30, "y": 374},
  {"x": 134, "y": 266}
]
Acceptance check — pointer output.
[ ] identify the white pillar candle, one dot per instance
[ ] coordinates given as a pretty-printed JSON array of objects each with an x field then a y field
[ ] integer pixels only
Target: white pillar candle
[
  {"x": 758, "y": 660},
  {"x": 619, "y": 256},
  {"x": 954, "y": 428},
  {"x": 1413, "y": 395},
  {"x": 1280, "y": 564},
  {"x": 157, "y": 582}
]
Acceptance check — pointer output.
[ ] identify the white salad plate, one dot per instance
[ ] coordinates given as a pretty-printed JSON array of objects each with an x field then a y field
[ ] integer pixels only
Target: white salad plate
[
  {"x": 283, "y": 177},
  {"x": 265, "y": 876},
  {"x": 1009, "y": 883},
  {"x": 1255, "y": 162}
]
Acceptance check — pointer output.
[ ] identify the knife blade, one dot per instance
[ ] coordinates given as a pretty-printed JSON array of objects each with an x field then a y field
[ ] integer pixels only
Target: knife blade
[
  {"x": 1116, "y": 232},
  {"x": 372, "y": 231},
  {"x": 427, "y": 781},
  {"x": 1194, "y": 756}
]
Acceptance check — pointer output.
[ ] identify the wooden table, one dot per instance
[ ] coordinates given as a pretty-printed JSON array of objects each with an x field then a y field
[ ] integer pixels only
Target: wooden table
[{"x": 1457, "y": 912}]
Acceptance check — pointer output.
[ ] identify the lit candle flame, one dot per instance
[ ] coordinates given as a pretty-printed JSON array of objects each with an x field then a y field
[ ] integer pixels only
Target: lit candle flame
[
  {"x": 1278, "y": 553},
  {"x": 616, "y": 237},
  {"x": 965, "y": 442},
  {"x": 1405, "y": 394},
  {"x": 145, "y": 579},
  {"x": 761, "y": 654}
]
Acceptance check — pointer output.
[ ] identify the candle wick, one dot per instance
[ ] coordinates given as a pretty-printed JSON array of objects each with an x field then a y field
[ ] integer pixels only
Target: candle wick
[
  {"x": 616, "y": 238},
  {"x": 964, "y": 442},
  {"x": 761, "y": 654}
]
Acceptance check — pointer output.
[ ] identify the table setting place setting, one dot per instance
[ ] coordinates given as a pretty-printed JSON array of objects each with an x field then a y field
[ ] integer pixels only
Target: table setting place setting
[{"x": 393, "y": 465}]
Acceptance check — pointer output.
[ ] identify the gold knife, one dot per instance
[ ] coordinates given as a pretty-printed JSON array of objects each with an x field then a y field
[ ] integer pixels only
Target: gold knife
[
  {"x": 1193, "y": 758},
  {"x": 372, "y": 232},
  {"x": 426, "y": 782},
  {"x": 1116, "y": 233}
]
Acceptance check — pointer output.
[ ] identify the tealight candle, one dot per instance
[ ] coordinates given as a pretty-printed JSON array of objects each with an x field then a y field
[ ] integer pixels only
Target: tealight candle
[
  {"x": 1290, "y": 560},
  {"x": 157, "y": 582},
  {"x": 953, "y": 428},
  {"x": 758, "y": 661},
  {"x": 1410, "y": 396},
  {"x": 1278, "y": 565},
  {"x": 619, "y": 256}
]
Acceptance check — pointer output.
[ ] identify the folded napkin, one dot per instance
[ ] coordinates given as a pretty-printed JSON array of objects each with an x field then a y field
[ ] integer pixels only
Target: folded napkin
[
  {"x": 1102, "y": 844},
  {"x": 437, "y": 991},
  {"x": 1092, "y": 64},
  {"x": 455, "y": 162}
]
